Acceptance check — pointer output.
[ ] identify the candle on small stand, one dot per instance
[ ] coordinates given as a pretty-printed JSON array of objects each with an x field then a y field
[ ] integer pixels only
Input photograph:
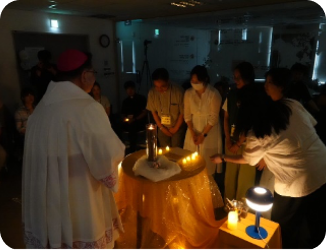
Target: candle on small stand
[{"x": 232, "y": 220}]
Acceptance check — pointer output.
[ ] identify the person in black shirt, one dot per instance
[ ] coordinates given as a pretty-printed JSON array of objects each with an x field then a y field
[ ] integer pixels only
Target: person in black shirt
[
  {"x": 42, "y": 73},
  {"x": 298, "y": 89},
  {"x": 134, "y": 114}
]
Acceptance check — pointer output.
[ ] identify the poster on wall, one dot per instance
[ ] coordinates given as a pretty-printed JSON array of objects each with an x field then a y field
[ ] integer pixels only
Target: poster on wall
[
  {"x": 28, "y": 57},
  {"x": 291, "y": 48},
  {"x": 181, "y": 57}
]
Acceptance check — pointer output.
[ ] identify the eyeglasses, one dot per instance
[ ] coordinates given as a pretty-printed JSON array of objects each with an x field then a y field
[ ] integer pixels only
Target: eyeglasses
[{"x": 92, "y": 71}]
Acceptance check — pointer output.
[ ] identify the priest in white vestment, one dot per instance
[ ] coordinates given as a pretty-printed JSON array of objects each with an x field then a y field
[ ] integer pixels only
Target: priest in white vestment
[{"x": 70, "y": 165}]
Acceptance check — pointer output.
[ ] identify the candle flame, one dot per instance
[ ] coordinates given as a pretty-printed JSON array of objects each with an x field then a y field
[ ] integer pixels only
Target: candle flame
[
  {"x": 184, "y": 161},
  {"x": 160, "y": 151},
  {"x": 127, "y": 120},
  {"x": 167, "y": 148},
  {"x": 188, "y": 158}
]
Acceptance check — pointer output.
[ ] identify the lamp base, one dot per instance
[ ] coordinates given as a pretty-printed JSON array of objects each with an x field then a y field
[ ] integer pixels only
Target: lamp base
[{"x": 252, "y": 232}]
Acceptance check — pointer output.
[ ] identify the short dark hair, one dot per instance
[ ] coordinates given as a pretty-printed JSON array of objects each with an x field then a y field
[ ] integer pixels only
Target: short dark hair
[
  {"x": 299, "y": 67},
  {"x": 201, "y": 73},
  {"x": 96, "y": 84},
  {"x": 129, "y": 84},
  {"x": 44, "y": 55},
  {"x": 281, "y": 77},
  {"x": 160, "y": 74},
  {"x": 70, "y": 75},
  {"x": 25, "y": 92},
  {"x": 246, "y": 71}
]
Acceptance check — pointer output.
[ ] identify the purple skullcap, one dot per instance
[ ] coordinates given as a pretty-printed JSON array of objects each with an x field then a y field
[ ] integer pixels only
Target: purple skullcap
[{"x": 70, "y": 60}]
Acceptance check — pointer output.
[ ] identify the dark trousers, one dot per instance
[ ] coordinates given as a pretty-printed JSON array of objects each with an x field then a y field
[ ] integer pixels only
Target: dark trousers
[
  {"x": 133, "y": 130},
  {"x": 302, "y": 220}
]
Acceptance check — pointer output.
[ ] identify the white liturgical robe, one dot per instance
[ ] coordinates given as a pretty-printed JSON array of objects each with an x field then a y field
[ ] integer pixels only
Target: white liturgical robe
[{"x": 70, "y": 169}]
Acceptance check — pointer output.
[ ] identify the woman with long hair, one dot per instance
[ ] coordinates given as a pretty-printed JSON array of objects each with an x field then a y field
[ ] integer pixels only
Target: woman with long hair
[{"x": 282, "y": 132}]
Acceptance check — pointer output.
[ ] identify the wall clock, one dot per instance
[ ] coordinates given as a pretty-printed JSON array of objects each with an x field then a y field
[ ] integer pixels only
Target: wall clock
[{"x": 104, "y": 41}]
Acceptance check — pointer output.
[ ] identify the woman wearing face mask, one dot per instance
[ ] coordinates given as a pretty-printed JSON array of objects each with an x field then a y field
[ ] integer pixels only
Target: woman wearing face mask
[{"x": 201, "y": 113}]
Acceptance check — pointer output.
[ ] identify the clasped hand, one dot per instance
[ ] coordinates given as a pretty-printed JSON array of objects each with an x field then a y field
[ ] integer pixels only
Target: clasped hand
[{"x": 197, "y": 139}]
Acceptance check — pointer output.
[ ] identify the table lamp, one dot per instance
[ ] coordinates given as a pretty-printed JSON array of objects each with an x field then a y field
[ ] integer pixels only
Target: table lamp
[{"x": 261, "y": 200}]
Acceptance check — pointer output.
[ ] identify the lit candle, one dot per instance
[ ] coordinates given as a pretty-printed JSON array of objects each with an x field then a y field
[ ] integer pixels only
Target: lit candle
[
  {"x": 160, "y": 151},
  {"x": 193, "y": 156},
  {"x": 184, "y": 161},
  {"x": 167, "y": 149},
  {"x": 232, "y": 220},
  {"x": 188, "y": 158},
  {"x": 151, "y": 137},
  {"x": 126, "y": 120}
]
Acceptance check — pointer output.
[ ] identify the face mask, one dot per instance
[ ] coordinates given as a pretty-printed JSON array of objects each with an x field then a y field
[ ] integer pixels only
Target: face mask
[{"x": 198, "y": 86}]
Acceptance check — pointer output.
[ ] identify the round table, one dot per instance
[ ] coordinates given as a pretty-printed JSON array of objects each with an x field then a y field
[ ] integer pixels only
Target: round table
[{"x": 177, "y": 212}]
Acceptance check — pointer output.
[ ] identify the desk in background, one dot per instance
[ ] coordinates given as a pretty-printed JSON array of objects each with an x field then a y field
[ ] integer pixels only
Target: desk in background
[{"x": 173, "y": 213}]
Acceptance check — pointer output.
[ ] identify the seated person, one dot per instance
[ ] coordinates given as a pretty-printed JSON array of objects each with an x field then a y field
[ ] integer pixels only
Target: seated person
[
  {"x": 134, "y": 113},
  {"x": 21, "y": 117},
  {"x": 96, "y": 93},
  {"x": 22, "y": 114}
]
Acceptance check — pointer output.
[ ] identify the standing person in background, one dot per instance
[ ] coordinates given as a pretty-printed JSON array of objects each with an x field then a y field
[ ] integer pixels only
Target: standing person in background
[
  {"x": 321, "y": 116},
  {"x": 201, "y": 113},
  {"x": 238, "y": 177},
  {"x": 42, "y": 74},
  {"x": 298, "y": 88},
  {"x": 165, "y": 101},
  {"x": 96, "y": 93},
  {"x": 134, "y": 113},
  {"x": 71, "y": 169}
]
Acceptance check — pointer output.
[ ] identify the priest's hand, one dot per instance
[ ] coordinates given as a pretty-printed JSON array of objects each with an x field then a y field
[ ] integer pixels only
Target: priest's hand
[{"x": 217, "y": 158}]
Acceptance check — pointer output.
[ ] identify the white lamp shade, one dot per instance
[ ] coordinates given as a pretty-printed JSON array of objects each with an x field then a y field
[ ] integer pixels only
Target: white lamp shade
[
  {"x": 257, "y": 207},
  {"x": 259, "y": 199}
]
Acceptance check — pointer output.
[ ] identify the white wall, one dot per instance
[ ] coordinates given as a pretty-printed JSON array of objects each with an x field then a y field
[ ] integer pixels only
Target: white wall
[
  {"x": 176, "y": 49},
  {"x": 28, "y": 21}
]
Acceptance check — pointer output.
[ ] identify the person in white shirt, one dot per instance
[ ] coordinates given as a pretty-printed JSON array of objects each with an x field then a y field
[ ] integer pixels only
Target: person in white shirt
[
  {"x": 202, "y": 105},
  {"x": 96, "y": 93},
  {"x": 70, "y": 168},
  {"x": 282, "y": 132}
]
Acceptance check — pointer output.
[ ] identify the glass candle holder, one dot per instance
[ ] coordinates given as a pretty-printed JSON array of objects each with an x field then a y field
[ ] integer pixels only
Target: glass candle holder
[{"x": 151, "y": 138}]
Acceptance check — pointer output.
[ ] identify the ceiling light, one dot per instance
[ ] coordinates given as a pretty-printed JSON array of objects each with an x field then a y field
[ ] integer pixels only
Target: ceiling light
[
  {"x": 195, "y": 2},
  {"x": 188, "y": 4},
  {"x": 54, "y": 23}
]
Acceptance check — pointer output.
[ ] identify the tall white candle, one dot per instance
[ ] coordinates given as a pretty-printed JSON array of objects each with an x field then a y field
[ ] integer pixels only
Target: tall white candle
[{"x": 232, "y": 220}]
